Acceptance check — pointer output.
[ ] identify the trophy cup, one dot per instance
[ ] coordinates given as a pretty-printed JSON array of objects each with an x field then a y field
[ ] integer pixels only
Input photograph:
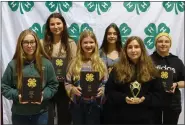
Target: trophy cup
[{"x": 135, "y": 88}]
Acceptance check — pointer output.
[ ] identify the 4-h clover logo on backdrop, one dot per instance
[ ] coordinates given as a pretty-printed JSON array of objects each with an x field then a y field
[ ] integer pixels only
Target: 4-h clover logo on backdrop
[
  {"x": 38, "y": 30},
  {"x": 125, "y": 31},
  {"x": 26, "y": 6},
  {"x": 74, "y": 30},
  {"x": 152, "y": 31},
  {"x": 169, "y": 6},
  {"x": 138, "y": 6},
  {"x": 100, "y": 6},
  {"x": 53, "y": 6}
]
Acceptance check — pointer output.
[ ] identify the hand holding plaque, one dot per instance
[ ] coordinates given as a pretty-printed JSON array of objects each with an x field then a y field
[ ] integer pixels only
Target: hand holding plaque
[
  {"x": 31, "y": 89},
  {"x": 20, "y": 100},
  {"x": 89, "y": 82},
  {"x": 100, "y": 91},
  {"x": 76, "y": 90},
  {"x": 174, "y": 85},
  {"x": 39, "y": 101},
  {"x": 167, "y": 79}
]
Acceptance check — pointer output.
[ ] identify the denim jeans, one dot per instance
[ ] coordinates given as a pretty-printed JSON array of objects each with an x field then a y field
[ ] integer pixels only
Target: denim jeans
[
  {"x": 38, "y": 119},
  {"x": 85, "y": 112}
]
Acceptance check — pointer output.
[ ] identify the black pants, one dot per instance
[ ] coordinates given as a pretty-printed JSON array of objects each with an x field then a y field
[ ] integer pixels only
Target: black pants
[
  {"x": 107, "y": 114},
  {"x": 166, "y": 116},
  {"x": 61, "y": 100},
  {"x": 36, "y": 119},
  {"x": 86, "y": 112},
  {"x": 51, "y": 112}
]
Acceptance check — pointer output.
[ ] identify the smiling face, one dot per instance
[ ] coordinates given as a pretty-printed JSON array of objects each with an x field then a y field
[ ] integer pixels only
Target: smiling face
[
  {"x": 29, "y": 45},
  {"x": 88, "y": 46},
  {"x": 112, "y": 36},
  {"x": 56, "y": 26},
  {"x": 133, "y": 51},
  {"x": 163, "y": 45}
]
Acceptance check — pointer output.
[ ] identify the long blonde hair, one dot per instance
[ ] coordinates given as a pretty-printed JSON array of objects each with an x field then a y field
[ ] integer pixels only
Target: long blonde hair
[
  {"x": 125, "y": 69},
  {"x": 20, "y": 56},
  {"x": 97, "y": 62}
]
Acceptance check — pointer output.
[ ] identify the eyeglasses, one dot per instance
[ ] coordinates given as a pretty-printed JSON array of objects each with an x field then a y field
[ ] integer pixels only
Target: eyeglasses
[{"x": 26, "y": 43}]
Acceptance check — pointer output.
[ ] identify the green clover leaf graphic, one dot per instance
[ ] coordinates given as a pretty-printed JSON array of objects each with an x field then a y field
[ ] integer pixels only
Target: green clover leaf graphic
[
  {"x": 26, "y": 6},
  {"x": 74, "y": 30},
  {"x": 169, "y": 6},
  {"x": 152, "y": 31},
  {"x": 125, "y": 31},
  {"x": 13, "y": 5},
  {"x": 52, "y": 6},
  {"x": 38, "y": 30},
  {"x": 163, "y": 28},
  {"x": 103, "y": 6},
  {"x": 139, "y": 6}
]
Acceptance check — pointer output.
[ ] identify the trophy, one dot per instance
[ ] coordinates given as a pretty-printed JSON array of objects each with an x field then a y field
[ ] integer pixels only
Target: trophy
[
  {"x": 135, "y": 88},
  {"x": 31, "y": 89},
  {"x": 89, "y": 82},
  {"x": 59, "y": 65},
  {"x": 167, "y": 79}
]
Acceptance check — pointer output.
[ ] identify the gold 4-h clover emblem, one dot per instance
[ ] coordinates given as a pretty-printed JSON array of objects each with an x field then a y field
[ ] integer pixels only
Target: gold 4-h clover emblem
[
  {"x": 164, "y": 75},
  {"x": 31, "y": 82},
  {"x": 89, "y": 77},
  {"x": 59, "y": 62}
]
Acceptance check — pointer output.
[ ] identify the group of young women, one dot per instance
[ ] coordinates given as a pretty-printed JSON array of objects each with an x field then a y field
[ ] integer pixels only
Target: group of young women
[{"x": 130, "y": 88}]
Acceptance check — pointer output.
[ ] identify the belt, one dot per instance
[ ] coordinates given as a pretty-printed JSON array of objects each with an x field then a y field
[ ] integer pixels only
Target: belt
[
  {"x": 60, "y": 79},
  {"x": 88, "y": 99}
]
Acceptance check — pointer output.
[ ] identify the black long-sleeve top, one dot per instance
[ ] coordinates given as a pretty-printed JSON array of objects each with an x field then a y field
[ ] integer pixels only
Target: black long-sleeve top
[
  {"x": 124, "y": 113},
  {"x": 171, "y": 62}
]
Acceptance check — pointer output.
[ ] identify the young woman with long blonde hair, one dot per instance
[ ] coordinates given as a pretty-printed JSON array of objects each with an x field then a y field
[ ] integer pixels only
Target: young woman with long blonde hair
[
  {"x": 86, "y": 110},
  {"x": 29, "y": 60}
]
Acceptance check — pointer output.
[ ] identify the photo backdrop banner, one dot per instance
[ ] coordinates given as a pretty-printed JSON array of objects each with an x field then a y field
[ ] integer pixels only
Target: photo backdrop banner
[{"x": 144, "y": 19}]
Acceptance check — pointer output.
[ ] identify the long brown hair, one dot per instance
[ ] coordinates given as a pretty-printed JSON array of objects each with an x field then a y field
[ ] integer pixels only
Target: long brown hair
[
  {"x": 20, "y": 56},
  {"x": 49, "y": 38},
  {"x": 145, "y": 67},
  {"x": 104, "y": 45}
]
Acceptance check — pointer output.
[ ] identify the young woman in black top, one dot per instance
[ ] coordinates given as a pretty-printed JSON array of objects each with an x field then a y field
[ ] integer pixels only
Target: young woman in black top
[
  {"x": 133, "y": 89},
  {"x": 171, "y": 105}
]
